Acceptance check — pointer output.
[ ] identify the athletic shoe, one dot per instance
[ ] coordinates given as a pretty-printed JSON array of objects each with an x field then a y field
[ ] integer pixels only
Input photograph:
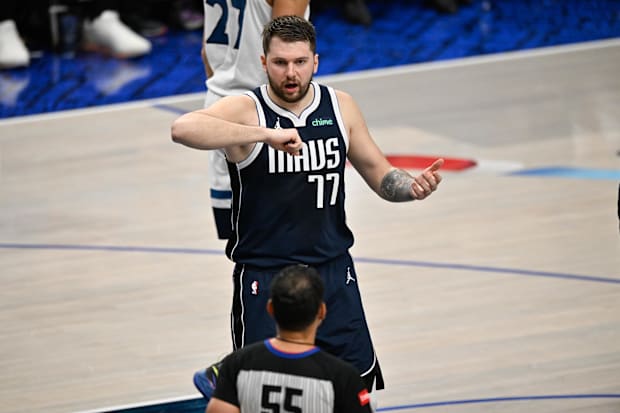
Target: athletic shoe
[
  {"x": 11, "y": 85},
  {"x": 446, "y": 6},
  {"x": 144, "y": 26},
  {"x": 357, "y": 12},
  {"x": 205, "y": 380},
  {"x": 185, "y": 17},
  {"x": 13, "y": 52},
  {"x": 109, "y": 35}
]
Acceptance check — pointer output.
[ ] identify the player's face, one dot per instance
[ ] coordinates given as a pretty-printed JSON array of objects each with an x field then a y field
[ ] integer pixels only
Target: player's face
[{"x": 290, "y": 67}]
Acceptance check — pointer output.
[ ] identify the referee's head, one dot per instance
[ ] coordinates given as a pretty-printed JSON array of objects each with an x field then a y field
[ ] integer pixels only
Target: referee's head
[{"x": 296, "y": 294}]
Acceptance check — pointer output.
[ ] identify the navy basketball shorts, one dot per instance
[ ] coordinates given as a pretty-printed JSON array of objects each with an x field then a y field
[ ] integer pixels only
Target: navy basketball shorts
[{"x": 344, "y": 332}]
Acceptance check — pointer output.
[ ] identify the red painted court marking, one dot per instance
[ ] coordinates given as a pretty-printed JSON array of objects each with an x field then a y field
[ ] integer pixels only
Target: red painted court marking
[{"x": 421, "y": 162}]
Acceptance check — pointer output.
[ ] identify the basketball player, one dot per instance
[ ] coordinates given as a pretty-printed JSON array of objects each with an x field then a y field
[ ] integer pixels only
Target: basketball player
[
  {"x": 287, "y": 143},
  {"x": 231, "y": 55},
  {"x": 288, "y": 373}
]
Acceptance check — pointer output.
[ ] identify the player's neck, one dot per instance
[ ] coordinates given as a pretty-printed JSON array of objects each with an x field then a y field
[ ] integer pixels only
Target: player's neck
[
  {"x": 295, "y": 339},
  {"x": 296, "y": 107}
]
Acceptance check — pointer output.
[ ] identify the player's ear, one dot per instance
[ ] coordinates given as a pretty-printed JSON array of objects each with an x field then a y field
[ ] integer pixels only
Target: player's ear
[
  {"x": 316, "y": 63},
  {"x": 322, "y": 312},
  {"x": 270, "y": 307},
  {"x": 263, "y": 61}
]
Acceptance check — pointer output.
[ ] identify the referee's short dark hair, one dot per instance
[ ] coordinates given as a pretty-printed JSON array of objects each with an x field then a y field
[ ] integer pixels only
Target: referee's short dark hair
[{"x": 296, "y": 293}]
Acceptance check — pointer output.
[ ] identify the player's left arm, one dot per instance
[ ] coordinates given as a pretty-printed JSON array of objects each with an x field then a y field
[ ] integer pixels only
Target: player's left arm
[
  {"x": 289, "y": 8},
  {"x": 392, "y": 184}
]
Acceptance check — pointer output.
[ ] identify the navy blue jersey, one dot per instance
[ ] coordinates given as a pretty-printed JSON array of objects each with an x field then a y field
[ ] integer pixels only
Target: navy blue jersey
[{"x": 290, "y": 209}]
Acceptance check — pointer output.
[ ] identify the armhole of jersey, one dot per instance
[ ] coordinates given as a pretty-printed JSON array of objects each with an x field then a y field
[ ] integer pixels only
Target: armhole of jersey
[
  {"x": 339, "y": 118},
  {"x": 262, "y": 123}
]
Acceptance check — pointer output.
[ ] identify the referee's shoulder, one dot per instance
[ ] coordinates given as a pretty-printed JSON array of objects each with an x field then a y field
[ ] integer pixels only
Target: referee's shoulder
[{"x": 338, "y": 364}]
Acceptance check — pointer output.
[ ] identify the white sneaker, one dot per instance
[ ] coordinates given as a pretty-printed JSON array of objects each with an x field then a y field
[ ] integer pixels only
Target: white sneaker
[
  {"x": 13, "y": 52},
  {"x": 11, "y": 86},
  {"x": 107, "y": 34}
]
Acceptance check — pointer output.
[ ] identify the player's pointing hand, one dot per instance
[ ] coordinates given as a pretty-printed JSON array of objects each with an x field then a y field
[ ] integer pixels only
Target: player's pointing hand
[{"x": 426, "y": 183}]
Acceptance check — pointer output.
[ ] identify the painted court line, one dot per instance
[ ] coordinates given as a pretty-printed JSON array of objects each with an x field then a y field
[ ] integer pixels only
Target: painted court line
[
  {"x": 143, "y": 406},
  {"x": 500, "y": 400},
  {"x": 188, "y": 403},
  {"x": 166, "y": 103},
  {"x": 472, "y": 60},
  {"x": 570, "y": 172},
  {"x": 409, "y": 263}
]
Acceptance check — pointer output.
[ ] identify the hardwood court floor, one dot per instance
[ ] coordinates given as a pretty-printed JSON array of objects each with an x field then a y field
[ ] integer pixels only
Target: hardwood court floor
[{"x": 500, "y": 288}]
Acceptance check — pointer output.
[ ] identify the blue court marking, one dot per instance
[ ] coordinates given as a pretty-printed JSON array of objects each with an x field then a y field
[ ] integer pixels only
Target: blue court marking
[
  {"x": 571, "y": 172},
  {"x": 197, "y": 405},
  {"x": 500, "y": 400},
  {"x": 408, "y": 263},
  {"x": 118, "y": 248},
  {"x": 479, "y": 268},
  {"x": 172, "y": 109}
]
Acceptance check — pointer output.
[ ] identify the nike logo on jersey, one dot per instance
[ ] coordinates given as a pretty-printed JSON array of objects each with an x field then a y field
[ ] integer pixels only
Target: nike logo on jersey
[{"x": 316, "y": 155}]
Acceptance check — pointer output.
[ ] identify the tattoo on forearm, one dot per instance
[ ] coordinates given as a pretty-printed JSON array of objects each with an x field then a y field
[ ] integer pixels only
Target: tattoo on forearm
[{"x": 396, "y": 186}]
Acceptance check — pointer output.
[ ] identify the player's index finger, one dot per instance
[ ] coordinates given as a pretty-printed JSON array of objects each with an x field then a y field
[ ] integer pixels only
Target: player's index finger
[{"x": 436, "y": 165}]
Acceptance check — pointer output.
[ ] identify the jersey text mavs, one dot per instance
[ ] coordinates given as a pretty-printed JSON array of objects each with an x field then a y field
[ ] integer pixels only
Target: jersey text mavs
[{"x": 290, "y": 209}]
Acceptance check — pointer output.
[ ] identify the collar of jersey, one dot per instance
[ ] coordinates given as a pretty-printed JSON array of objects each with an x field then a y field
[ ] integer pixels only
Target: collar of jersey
[
  {"x": 300, "y": 120},
  {"x": 288, "y": 355}
]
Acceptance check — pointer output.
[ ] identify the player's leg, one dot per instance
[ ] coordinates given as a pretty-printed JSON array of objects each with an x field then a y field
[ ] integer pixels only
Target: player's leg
[
  {"x": 344, "y": 332},
  {"x": 220, "y": 192},
  {"x": 219, "y": 183},
  {"x": 249, "y": 318}
]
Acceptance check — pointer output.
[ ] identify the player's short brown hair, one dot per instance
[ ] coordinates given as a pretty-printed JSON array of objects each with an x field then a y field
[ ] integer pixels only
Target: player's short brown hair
[{"x": 289, "y": 29}]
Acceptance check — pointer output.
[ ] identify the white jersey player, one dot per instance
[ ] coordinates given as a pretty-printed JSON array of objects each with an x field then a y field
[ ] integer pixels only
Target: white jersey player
[{"x": 231, "y": 53}]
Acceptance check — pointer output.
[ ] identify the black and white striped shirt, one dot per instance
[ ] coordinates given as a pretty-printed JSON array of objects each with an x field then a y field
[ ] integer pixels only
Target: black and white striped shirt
[{"x": 262, "y": 379}]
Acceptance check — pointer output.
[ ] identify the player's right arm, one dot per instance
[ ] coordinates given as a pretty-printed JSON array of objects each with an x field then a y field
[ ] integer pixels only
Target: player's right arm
[
  {"x": 232, "y": 124},
  {"x": 288, "y": 7},
  {"x": 205, "y": 61},
  {"x": 212, "y": 14}
]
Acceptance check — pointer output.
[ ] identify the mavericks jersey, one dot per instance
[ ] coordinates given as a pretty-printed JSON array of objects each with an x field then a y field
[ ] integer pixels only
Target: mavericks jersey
[
  {"x": 260, "y": 378},
  {"x": 233, "y": 45},
  {"x": 238, "y": 25},
  {"x": 290, "y": 209}
]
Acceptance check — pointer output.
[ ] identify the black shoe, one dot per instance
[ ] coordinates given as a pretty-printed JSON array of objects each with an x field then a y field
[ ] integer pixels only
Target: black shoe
[
  {"x": 205, "y": 380},
  {"x": 445, "y": 6},
  {"x": 357, "y": 12},
  {"x": 144, "y": 26}
]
